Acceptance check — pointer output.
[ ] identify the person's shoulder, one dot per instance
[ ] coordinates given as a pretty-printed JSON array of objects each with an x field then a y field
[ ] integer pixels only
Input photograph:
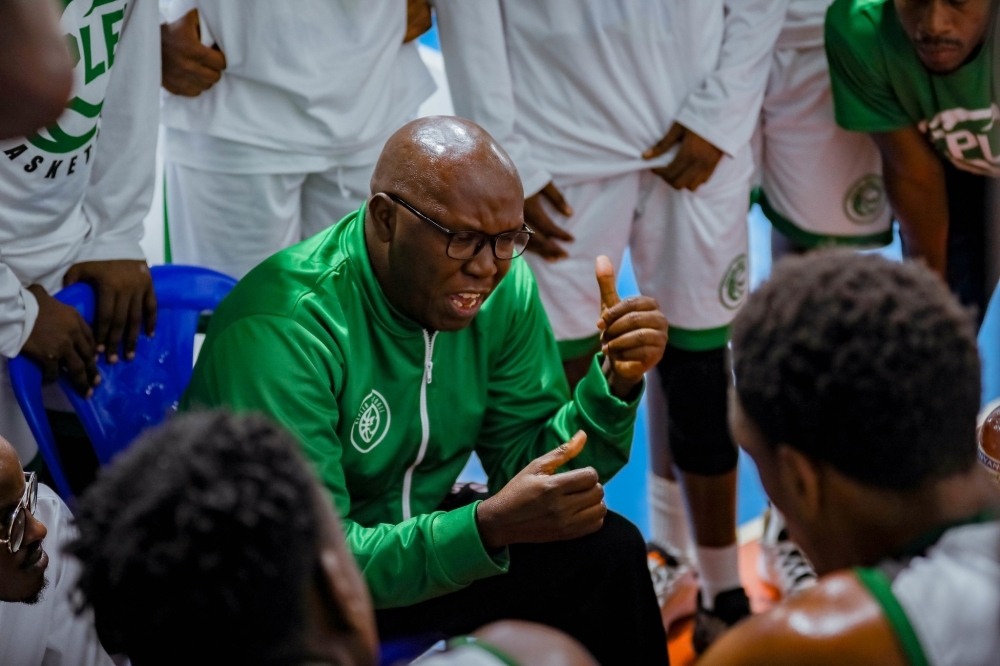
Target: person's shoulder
[
  {"x": 855, "y": 24},
  {"x": 835, "y": 622},
  {"x": 279, "y": 284}
]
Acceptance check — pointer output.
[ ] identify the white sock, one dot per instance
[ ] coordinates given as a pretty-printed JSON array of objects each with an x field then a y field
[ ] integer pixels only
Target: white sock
[
  {"x": 668, "y": 516},
  {"x": 719, "y": 571}
]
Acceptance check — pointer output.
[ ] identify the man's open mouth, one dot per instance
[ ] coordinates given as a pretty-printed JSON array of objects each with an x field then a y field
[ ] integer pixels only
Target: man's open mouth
[{"x": 467, "y": 301}]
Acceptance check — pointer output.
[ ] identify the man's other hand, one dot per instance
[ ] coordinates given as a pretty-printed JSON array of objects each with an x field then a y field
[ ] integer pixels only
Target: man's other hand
[
  {"x": 125, "y": 300},
  {"x": 61, "y": 338},
  {"x": 694, "y": 162},
  {"x": 538, "y": 505},
  {"x": 189, "y": 67},
  {"x": 547, "y": 231},
  {"x": 633, "y": 333},
  {"x": 418, "y": 19}
]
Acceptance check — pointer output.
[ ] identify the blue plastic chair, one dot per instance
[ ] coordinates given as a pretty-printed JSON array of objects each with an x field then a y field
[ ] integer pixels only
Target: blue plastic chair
[{"x": 133, "y": 395}]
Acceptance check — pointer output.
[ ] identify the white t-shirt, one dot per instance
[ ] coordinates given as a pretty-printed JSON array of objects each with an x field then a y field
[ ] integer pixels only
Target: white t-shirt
[
  {"x": 597, "y": 82},
  {"x": 50, "y": 633},
  {"x": 79, "y": 190},
  {"x": 328, "y": 79}
]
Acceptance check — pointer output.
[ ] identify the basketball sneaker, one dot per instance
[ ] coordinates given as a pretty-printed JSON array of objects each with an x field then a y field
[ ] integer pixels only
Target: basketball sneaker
[
  {"x": 730, "y": 607},
  {"x": 675, "y": 581},
  {"x": 781, "y": 564}
]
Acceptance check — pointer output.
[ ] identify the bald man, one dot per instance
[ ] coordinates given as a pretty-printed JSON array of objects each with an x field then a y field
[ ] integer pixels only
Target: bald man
[
  {"x": 38, "y": 623},
  {"x": 406, "y": 337}
]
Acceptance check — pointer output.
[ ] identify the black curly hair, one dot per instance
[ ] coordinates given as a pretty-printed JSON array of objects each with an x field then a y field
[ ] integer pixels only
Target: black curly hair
[
  {"x": 864, "y": 363},
  {"x": 198, "y": 543}
]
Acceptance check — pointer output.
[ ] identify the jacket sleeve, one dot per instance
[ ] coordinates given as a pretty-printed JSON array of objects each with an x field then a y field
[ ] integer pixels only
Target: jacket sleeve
[
  {"x": 120, "y": 192},
  {"x": 725, "y": 108},
  {"x": 531, "y": 410},
  {"x": 18, "y": 312},
  {"x": 475, "y": 58},
  {"x": 294, "y": 379}
]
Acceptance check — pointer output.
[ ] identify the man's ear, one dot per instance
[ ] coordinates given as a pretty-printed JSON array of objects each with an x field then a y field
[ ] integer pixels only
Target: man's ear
[
  {"x": 382, "y": 212},
  {"x": 800, "y": 479}
]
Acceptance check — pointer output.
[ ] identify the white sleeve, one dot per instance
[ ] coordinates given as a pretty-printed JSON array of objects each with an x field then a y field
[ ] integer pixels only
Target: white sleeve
[
  {"x": 71, "y": 639},
  {"x": 120, "y": 191},
  {"x": 725, "y": 108},
  {"x": 475, "y": 61},
  {"x": 18, "y": 312}
]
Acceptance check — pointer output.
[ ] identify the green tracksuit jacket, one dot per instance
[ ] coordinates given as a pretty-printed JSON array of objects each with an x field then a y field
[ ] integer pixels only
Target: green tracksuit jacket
[{"x": 389, "y": 413}]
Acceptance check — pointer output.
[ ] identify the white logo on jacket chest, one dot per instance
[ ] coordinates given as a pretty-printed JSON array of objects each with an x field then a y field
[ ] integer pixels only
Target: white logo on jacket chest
[{"x": 372, "y": 422}]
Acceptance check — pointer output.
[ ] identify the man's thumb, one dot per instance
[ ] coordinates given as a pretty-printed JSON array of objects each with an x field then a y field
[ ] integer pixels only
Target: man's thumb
[
  {"x": 561, "y": 455},
  {"x": 606, "y": 282}
]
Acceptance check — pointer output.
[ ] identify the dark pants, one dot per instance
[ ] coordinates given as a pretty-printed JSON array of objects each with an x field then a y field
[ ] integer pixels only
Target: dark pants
[
  {"x": 967, "y": 247},
  {"x": 596, "y": 588}
]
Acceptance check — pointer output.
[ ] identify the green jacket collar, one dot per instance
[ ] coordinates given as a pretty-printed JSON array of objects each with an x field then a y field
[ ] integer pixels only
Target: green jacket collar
[{"x": 377, "y": 304}]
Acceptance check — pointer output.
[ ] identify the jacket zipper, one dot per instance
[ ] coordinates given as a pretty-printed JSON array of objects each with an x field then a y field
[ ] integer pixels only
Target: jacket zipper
[{"x": 425, "y": 424}]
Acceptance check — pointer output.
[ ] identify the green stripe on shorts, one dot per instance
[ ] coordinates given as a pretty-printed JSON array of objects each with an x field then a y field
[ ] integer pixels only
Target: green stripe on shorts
[
  {"x": 811, "y": 241},
  {"x": 878, "y": 584},
  {"x": 570, "y": 350},
  {"x": 698, "y": 339}
]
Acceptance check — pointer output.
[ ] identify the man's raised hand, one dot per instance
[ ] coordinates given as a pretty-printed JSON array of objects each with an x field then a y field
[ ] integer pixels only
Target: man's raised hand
[
  {"x": 538, "y": 505},
  {"x": 633, "y": 333}
]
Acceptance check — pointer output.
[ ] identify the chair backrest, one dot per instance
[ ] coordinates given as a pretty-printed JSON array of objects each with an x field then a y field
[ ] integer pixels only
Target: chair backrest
[{"x": 133, "y": 395}]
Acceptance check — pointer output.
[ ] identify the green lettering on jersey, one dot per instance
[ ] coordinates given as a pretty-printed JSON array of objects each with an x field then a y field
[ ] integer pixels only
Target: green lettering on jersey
[
  {"x": 110, "y": 36},
  {"x": 90, "y": 71},
  {"x": 61, "y": 142},
  {"x": 97, "y": 3}
]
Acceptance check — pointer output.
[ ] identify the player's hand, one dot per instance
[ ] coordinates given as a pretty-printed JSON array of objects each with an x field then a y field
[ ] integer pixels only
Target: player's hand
[
  {"x": 125, "y": 301},
  {"x": 633, "y": 333},
  {"x": 418, "y": 19},
  {"x": 694, "y": 162},
  {"x": 547, "y": 231},
  {"x": 189, "y": 67},
  {"x": 538, "y": 505},
  {"x": 61, "y": 338}
]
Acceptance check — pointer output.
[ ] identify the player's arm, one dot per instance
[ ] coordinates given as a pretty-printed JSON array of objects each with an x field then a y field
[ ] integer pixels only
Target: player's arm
[
  {"x": 914, "y": 182},
  {"x": 36, "y": 73},
  {"x": 837, "y": 622},
  {"x": 720, "y": 115},
  {"x": 475, "y": 55},
  {"x": 120, "y": 190}
]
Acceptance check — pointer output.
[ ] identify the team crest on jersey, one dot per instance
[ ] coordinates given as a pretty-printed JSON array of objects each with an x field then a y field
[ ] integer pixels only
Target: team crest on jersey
[
  {"x": 372, "y": 422},
  {"x": 865, "y": 201},
  {"x": 733, "y": 288}
]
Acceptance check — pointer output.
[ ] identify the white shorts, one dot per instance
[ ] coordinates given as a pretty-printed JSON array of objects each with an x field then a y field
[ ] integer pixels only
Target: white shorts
[
  {"x": 820, "y": 184},
  {"x": 689, "y": 251},
  {"x": 232, "y": 222}
]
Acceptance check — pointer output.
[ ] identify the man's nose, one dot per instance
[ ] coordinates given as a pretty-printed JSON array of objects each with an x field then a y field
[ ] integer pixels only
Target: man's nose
[
  {"x": 34, "y": 530},
  {"x": 483, "y": 265},
  {"x": 937, "y": 19}
]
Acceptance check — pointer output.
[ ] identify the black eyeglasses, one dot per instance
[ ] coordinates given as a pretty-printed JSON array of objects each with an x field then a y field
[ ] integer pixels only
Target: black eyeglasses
[
  {"x": 467, "y": 244},
  {"x": 17, "y": 519}
]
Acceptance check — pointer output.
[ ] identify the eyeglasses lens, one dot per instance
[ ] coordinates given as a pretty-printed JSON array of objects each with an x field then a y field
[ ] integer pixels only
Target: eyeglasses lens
[
  {"x": 17, "y": 530},
  {"x": 32, "y": 494},
  {"x": 465, "y": 245}
]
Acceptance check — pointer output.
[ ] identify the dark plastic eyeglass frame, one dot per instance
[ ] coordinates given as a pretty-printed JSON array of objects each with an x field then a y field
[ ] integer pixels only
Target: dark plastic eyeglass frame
[
  {"x": 484, "y": 238},
  {"x": 29, "y": 500}
]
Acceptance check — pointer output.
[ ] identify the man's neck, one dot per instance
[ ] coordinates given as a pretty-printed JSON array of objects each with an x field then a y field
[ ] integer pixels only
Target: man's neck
[{"x": 885, "y": 523}]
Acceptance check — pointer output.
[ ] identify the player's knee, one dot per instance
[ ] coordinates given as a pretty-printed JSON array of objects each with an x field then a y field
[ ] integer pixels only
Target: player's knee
[{"x": 696, "y": 385}]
